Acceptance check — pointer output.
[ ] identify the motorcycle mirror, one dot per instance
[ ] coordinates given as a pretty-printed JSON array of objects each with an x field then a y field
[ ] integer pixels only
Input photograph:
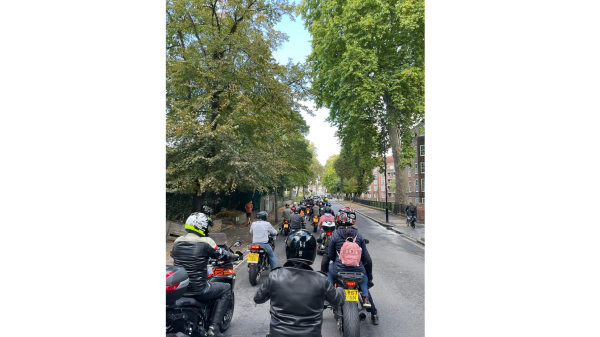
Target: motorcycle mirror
[
  {"x": 366, "y": 240},
  {"x": 319, "y": 241},
  {"x": 237, "y": 252},
  {"x": 237, "y": 243}
]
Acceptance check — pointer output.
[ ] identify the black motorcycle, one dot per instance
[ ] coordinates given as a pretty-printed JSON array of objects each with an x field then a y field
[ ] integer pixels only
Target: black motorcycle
[
  {"x": 187, "y": 317},
  {"x": 285, "y": 227},
  {"x": 258, "y": 260},
  {"x": 328, "y": 228},
  {"x": 349, "y": 315}
]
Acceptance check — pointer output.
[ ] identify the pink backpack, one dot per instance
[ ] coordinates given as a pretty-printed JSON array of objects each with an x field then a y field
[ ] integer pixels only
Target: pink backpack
[{"x": 350, "y": 253}]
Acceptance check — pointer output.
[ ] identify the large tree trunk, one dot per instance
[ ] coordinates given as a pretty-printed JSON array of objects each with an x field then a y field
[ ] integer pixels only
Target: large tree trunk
[{"x": 401, "y": 194}]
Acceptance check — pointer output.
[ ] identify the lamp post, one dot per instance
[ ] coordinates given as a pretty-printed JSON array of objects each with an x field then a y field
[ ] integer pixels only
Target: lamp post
[{"x": 385, "y": 176}]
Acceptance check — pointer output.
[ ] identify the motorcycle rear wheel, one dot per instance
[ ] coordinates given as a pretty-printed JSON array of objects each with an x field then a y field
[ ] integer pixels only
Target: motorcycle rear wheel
[
  {"x": 254, "y": 274},
  {"x": 350, "y": 320}
]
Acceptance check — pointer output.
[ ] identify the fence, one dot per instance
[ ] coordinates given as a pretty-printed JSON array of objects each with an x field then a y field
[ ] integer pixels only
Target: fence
[{"x": 392, "y": 206}]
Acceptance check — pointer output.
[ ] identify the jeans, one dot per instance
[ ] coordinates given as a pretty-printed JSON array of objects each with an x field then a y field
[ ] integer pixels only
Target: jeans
[
  {"x": 270, "y": 254},
  {"x": 364, "y": 284}
]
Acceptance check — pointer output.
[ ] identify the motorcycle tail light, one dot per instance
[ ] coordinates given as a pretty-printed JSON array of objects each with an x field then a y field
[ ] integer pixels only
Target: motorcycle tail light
[
  {"x": 253, "y": 247},
  {"x": 328, "y": 233},
  {"x": 170, "y": 273},
  {"x": 172, "y": 287},
  {"x": 351, "y": 284}
]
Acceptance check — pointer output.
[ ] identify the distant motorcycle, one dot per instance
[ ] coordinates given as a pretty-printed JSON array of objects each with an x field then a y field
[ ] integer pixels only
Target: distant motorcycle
[
  {"x": 349, "y": 314},
  {"x": 258, "y": 260},
  {"x": 315, "y": 223},
  {"x": 410, "y": 221},
  {"x": 285, "y": 227},
  {"x": 328, "y": 228}
]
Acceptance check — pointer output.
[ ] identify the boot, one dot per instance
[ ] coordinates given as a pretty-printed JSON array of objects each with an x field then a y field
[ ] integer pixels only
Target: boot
[
  {"x": 375, "y": 319},
  {"x": 211, "y": 330},
  {"x": 366, "y": 302}
]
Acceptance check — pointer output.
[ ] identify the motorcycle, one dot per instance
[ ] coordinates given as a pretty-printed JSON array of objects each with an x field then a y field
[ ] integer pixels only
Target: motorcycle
[
  {"x": 315, "y": 222},
  {"x": 350, "y": 314},
  {"x": 410, "y": 221},
  {"x": 328, "y": 228},
  {"x": 187, "y": 317},
  {"x": 258, "y": 260},
  {"x": 285, "y": 227}
]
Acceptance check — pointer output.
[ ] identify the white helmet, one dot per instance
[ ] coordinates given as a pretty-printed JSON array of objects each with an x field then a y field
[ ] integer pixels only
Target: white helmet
[{"x": 197, "y": 223}]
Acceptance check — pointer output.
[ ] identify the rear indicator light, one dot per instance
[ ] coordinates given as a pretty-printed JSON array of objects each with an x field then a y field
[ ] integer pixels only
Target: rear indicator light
[
  {"x": 170, "y": 273},
  {"x": 172, "y": 287},
  {"x": 351, "y": 284},
  {"x": 328, "y": 233},
  {"x": 255, "y": 247}
]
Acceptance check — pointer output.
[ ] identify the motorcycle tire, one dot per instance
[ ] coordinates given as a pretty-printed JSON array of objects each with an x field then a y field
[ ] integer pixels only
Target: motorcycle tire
[
  {"x": 315, "y": 228},
  {"x": 228, "y": 317},
  {"x": 254, "y": 274},
  {"x": 350, "y": 320},
  {"x": 286, "y": 232}
]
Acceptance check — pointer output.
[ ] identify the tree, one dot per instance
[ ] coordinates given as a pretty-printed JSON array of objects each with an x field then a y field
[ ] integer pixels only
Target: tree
[
  {"x": 232, "y": 112},
  {"x": 350, "y": 185},
  {"x": 368, "y": 65},
  {"x": 330, "y": 177}
]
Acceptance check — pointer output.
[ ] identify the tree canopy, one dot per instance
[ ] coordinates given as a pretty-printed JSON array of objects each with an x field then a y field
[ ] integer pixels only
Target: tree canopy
[
  {"x": 232, "y": 112},
  {"x": 367, "y": 65}
]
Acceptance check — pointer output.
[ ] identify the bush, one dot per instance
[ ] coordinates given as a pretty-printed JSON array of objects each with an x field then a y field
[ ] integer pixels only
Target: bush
[
  {"x": 228, "y": 214},
  {"x": 179, "y": 206}
]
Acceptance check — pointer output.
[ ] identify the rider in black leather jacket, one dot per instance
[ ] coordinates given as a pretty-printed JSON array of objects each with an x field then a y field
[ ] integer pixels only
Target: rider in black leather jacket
[
  {"x": 298, "y": 310},
  {"x": 192, "y": 252}
]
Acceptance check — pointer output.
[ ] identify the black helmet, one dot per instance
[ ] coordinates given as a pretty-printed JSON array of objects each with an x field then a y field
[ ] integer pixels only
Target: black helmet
[
  {"x": 287, "y": 205},
  {"x": 262, "y": 215},
  {"x": 328, "y": 209},
  {"x": 302, "y": 247}
]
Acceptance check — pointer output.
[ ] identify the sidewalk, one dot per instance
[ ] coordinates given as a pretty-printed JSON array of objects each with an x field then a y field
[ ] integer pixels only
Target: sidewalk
[{"x": 396, "y": 223}]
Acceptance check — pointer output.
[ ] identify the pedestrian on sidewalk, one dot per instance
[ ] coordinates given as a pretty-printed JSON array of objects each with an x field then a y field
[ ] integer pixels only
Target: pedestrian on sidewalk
[{"x": 249, "y": 207}]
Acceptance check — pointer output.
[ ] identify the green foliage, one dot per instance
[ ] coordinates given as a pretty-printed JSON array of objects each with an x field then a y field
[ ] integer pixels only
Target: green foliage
[
  {"x": 330, "y": 179},
  {"x": 350, "y": 185},
  {"x": 179, "y": 206},
  {"x": 233, "y": 113},
  {"x": 367, "y": 65},
  {"x": 392, "y": 183}
]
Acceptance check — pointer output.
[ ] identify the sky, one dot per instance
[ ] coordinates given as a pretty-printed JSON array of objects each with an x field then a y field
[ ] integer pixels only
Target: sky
[{"x": 321, "y": 133}]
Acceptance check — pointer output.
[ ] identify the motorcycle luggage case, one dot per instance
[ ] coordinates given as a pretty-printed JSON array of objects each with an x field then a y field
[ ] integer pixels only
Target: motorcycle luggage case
[{"x": 179, "y": 277}]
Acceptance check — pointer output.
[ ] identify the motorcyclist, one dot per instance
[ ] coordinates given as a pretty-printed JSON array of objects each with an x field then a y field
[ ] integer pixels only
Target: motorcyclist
[
  {"x": 315, "y": 210},
  {"x": 298, "y": 311},
  {"x": 411, "y": 210},
  {"x": 286, "y": 213},
  {"x": 260, "y": 230},
  {"x": 346, "y": 230},
  {"x": 327, "y": 216},
  {"x": 296, "y": 220},
  {"x": 192, "y": 252}
]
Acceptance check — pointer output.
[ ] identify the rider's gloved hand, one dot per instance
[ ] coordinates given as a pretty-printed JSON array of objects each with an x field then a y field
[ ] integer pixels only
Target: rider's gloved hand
[{"x": 239, "y": 257}]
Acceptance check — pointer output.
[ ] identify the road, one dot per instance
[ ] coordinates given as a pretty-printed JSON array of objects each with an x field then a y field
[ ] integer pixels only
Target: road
[{"x": 399, "y": 291}]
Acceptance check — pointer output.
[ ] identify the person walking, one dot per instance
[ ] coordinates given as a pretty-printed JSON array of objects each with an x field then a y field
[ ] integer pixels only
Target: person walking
[{"x": 249, "y": 207}]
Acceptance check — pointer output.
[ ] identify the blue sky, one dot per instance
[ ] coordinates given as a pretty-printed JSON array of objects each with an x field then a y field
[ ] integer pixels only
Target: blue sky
[{"x": 298, "y": 48}]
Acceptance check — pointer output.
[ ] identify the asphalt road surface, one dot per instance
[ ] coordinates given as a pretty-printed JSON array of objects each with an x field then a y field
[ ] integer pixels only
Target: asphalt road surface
[{"x": 399, "y": 291}]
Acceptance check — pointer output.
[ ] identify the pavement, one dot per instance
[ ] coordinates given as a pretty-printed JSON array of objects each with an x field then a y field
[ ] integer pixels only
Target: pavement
[{"x": 396, "y": 223}]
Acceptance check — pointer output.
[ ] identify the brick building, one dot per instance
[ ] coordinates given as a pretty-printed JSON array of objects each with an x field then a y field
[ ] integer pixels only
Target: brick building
[{"x": 381, "y": 184}]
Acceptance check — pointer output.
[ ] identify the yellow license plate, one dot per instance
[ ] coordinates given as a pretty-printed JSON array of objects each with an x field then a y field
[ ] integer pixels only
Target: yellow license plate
[
  {"x": 351, "y": 295},
  {"x": 285, "y": 225},
  {"x": 253, "y": 257}
]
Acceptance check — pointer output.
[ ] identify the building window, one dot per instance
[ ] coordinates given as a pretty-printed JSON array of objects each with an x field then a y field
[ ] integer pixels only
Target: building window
[
  {"x": 409, "y": 170},
  {"x": 369, "y": 189},
  {"x": 383, "y": 187},
  {"x": 391, "y": 167},
  {"x": 409, "y": 186},
  {"x": 382, "y": 195},
  {"x": 375, "y": 188},
  {"x": 422, "y": 185},
  {"x": 369, "y": 195},
  {"x": 416, "y": 201},
  {"x": 416, "y": 185},
  {"x": 375, "y": 182},
  {"x": 410, "y": 198},
  {"x": 422, "y": 150},
  {"x": 422, "y": 167},
  {"x": 416, "y": 168},
  {"x": 423, "y": 201}
]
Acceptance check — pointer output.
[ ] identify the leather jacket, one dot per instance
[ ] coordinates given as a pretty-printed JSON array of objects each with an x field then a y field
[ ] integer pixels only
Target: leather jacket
[
  {"x": 192, "y": 253},
  {"x": 297, "y": 310}
]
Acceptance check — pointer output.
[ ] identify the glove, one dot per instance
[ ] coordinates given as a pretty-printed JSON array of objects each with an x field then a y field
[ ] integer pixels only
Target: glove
[
  {"x": 239, "y": 257},
  {"x": 370, "y": 284}
]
